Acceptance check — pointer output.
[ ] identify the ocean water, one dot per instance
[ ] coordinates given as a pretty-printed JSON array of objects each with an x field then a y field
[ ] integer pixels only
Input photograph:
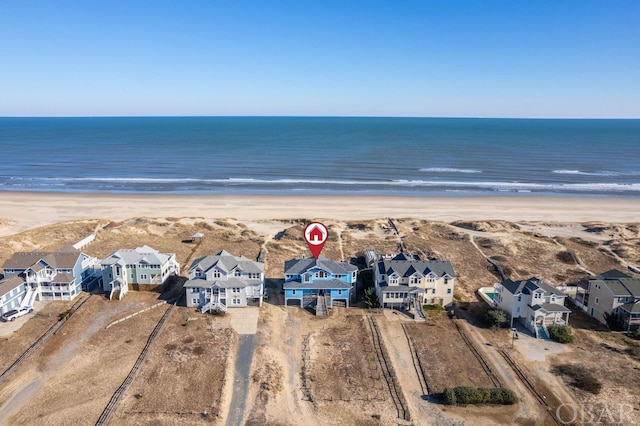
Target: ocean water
[{"x": 298, "y": 155}]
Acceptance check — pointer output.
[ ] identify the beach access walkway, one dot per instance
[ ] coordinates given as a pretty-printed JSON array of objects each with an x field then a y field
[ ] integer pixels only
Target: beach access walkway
[{"x": 245, "y": 322}]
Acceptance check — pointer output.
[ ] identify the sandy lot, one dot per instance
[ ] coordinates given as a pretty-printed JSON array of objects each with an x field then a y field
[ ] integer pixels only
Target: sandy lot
[
  {"x": 183, "y": 378},
  {"x": 72, "y": 376}
]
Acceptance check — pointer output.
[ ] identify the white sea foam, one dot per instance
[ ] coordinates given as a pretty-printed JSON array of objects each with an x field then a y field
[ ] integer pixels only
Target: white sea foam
[
  {"x": 288, "y": 184},
  {"x": 598, "y": 173},
  {"x": 448, "y": 170}
]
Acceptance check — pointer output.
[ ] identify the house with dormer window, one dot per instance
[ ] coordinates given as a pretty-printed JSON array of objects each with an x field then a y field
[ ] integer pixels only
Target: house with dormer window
[
  {"x": 224, "y": 280},
  {"x": 57, "y": 275},
  {"x": 142, "y": 268},
  {"x": 402, "y": 281},
  {"x": 533, "y": 302},
  {"x": 309, "y": 280}
]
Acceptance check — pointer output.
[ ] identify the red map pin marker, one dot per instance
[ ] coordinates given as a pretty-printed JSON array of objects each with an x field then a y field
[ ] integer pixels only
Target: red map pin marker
[{"x": 315, "y": 234}]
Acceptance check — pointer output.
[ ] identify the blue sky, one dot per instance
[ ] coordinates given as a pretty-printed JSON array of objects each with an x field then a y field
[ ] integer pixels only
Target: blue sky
[{"x": 356, "y": 58}]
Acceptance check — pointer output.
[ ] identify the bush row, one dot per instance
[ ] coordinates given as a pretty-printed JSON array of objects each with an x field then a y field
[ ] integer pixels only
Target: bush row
[{"x": 463, "y": 395}]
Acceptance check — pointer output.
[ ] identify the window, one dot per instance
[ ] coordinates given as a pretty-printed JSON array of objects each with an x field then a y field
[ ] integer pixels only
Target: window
[
  {"x": 414, "y": 280},
  {"x": 194, "y": 301},
  {"x": 520, "y": 298},
  {"x": 216, "y": 274},
  {"x": 339, "y": 292},
  {"x": 235, "y": 301},
  {"x": 597, "y": 300},
  {"x": 431, "y": 279},
  {"x": 237, "y": 273},
  {"x": 293, "y": 291},
  {"x": 235, "y": 290},
  {"x": 307, "y": 278},
  {"x": 144, "y": 276},
  {"x": 321, "y": 274},
  {"x": 433, "y": 291},
  {"x": 393, "y": 280},
  {"x": 518, "y": 310},
  {"x": 448, "y": 291}
]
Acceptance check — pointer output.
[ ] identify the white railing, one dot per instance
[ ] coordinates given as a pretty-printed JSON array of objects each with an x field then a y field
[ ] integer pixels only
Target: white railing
[{"x": 28, "y": 298}]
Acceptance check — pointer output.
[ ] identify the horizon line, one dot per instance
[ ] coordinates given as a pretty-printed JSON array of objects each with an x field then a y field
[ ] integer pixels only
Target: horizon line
[{"x": 321, "y": 116}]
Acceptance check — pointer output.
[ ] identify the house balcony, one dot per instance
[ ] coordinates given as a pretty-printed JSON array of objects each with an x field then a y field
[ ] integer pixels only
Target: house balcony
[
  {"x": 38, "y": 279},
  {"x": 55, "y": 288}
]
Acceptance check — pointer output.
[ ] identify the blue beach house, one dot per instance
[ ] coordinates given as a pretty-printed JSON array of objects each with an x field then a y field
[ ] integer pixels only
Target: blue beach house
[{"x": 309, "y": 280}]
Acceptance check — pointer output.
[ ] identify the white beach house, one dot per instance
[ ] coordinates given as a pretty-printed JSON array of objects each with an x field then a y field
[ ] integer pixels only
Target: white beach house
[
  {"x": 224, "y": 280},
  {"x": 533, "y": 302}
]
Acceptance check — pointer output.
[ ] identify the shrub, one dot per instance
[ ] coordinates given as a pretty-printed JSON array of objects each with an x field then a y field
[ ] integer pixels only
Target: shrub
[
  {"x": 497, "y": 318},
  {"x": 560, "y": 333},
  {"x": 432, "y": 307},
  {"x": 565, "y": 257},
  {"x": 463, "y": 395},
  {"x": 613, "y": 321},
  {"x": 580, "y": 377},
  {"x": 370, "y": 298}
]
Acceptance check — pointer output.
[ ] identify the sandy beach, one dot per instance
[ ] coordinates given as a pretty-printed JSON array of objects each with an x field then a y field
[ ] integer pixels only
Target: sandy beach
[{"x": 25, "y": 210}]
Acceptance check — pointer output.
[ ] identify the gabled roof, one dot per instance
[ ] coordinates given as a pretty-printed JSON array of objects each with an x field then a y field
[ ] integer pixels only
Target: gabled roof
[
  {"x": 134, "y": 256},
  {"x": 227, "y": 262},
  {"x": 300, "y": 266},
  {"x": 62, "y": 278},
  {"x": 633, "y": 308},
  {"x": 8, "y": 284},
  {"x": 620, "y": 284},
  {"x": 612, "y": 274},
  {"x": 405, "y": 267},
  {"x": 551, "y": 307},
  {"x": 58, "y": 259},
  {"x": 529, "y": 286}
]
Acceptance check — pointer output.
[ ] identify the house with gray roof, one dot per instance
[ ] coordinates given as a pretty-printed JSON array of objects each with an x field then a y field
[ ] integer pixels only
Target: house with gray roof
[
  {"x": 224, "y": 280},
  {"x": 533, "y": 302},
  {"x": 142, "y": 268},
  {"x": 57, "y": 275},
  {"x": 615, "y": 293},
  {"x": 322, "y": 281},
  {"x": 403, "y": 281},
  {"x": 13, "y": 290}
]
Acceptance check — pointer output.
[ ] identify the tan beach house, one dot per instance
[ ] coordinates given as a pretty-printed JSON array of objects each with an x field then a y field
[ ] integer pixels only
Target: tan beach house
[
  {"x": 618, "y": 294},
  {"x": 403, "y": 282}
]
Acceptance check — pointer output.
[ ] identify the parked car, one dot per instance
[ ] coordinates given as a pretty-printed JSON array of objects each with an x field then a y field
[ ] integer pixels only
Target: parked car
[{"x": 16, "y": 313}]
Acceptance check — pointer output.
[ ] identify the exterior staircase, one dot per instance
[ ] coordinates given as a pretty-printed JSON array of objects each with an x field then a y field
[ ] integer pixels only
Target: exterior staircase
[
  {"x": 28, "y": 298},
  {"x": 211, "y": 305},
  {"x": 115, "y": 294},
  {"x": 321, "y": 307},
  {"x": 542, "y": 333},
  {"x": 419, "y": 310}
]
